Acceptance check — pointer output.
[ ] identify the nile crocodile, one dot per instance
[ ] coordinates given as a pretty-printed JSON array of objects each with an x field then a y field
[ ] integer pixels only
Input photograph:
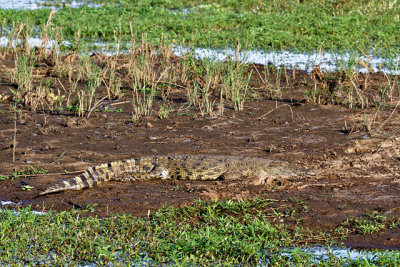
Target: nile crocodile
[{"x": 181, "y": 167}]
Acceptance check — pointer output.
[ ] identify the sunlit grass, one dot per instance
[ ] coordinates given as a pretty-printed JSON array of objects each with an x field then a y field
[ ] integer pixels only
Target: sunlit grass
[
  {"x": 272, "y": 25},
  {"x": 225, "y": 232}
]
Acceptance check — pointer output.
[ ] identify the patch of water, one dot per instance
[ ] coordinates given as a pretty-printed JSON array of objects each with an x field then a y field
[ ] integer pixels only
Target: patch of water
[
  {"x": 3, "y": 203},
  {"x": 329, "y": 62},
  {"x": 36, "y": 4},
  {"x": 183, "y": 12},
  {"x": 321, "y": 254},
  {"x": 33, "y": 42},
  {"x": 33, "y": 211},
  {"x": 301, "y": 61},
  {"x": 10, "y": 203},
  {"x": 19, "y": 4}
]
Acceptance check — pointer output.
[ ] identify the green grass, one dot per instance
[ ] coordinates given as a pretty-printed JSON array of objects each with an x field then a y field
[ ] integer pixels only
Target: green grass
[
  {"x": 226, "y": 233},
  {"x": 24, "y": 172},
  {"x": 310, "y": 25},
  {"x": 371, "y": 223}
]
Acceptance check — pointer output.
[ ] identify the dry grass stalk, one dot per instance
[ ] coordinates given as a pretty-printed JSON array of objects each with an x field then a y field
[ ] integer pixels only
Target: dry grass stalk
[{"x": 269, "y": 112}]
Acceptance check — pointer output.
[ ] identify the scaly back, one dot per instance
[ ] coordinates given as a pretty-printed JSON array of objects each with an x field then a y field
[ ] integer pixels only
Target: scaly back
[{"x": 181, "y": 167}]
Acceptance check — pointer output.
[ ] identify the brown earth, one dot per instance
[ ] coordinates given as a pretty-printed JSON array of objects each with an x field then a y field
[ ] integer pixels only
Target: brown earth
[{"x": 356, "y": 171}]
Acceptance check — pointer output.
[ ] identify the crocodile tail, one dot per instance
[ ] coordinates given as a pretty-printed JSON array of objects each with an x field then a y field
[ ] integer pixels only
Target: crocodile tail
[{"x": 91, "y": 177}]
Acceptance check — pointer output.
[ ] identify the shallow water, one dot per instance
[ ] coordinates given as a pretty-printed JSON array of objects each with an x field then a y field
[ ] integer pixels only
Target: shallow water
[
  {"x": 301, "y": 61},
  {"x": 329, "y": 62},
  {"x": 3, "y": 203},
  {"x": 19, "y": 4},
  {"x": 321, "y": 254},
  {"x": 10, "y": 203},
  {"x": 35, "y": 4}
]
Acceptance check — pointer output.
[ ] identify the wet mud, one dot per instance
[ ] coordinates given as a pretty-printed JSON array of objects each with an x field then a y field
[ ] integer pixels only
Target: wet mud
[{"x": 354, "y": 155}]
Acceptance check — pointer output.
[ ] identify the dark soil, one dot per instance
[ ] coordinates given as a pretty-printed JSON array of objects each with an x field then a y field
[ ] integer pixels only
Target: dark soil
[{"x": 356, "y": 171}]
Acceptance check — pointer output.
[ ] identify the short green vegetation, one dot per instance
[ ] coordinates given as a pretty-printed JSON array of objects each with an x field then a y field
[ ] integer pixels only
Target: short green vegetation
[
  {"x": 371, "y": 223},
  {"x": 309, "y": 25},
  {"x": 24, "y": 172},
  {"x": 226, "y": 233},
  {"x": 148, "y": 72}
]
